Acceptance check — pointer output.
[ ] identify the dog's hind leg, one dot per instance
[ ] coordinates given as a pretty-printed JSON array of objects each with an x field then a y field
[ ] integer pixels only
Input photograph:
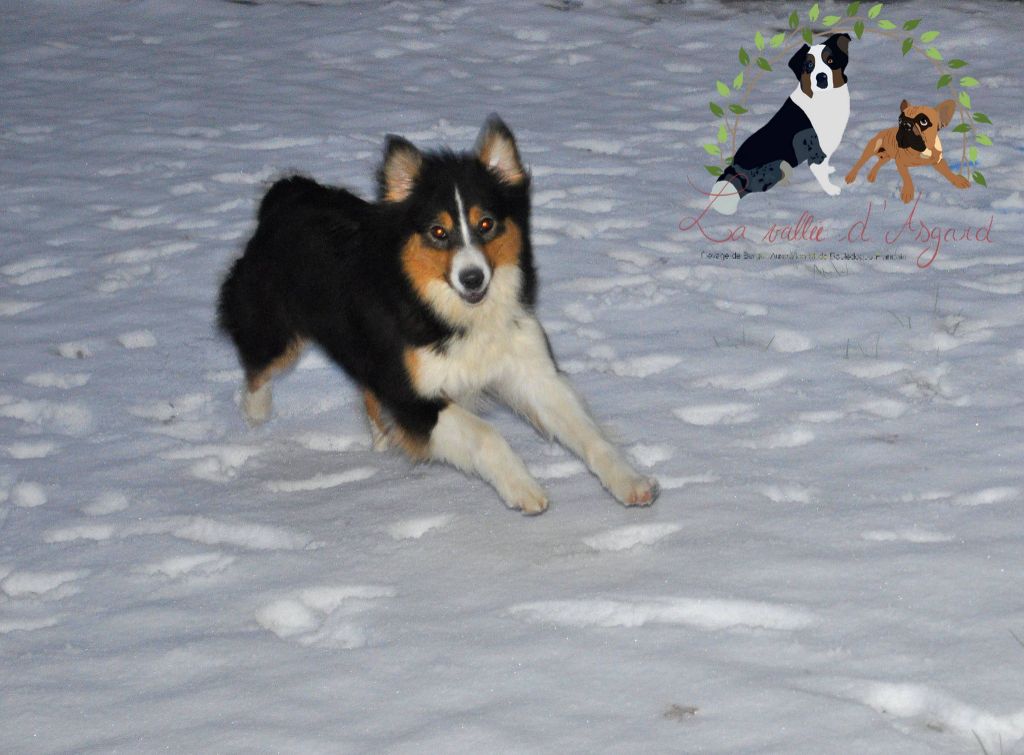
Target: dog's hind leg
[
  {"x": 256, "y": 397},
  {"x": 378, "y": 424}
]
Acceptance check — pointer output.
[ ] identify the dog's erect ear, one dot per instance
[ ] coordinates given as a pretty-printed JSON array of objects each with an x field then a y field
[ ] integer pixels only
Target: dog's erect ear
[
  {"x": 947, "y": 109},
  {"x": 796, "y": 63},
  {"x": 841, "y": 42},
  {"x": 496, "y": 148},
  {"x": 903, "y": 107},
  {"x": 402, "y": 163}
]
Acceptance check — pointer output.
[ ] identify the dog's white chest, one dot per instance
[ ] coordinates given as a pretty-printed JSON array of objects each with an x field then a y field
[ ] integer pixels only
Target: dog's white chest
[
  {"x": 828, "y": 111},
  {"x": 471, "y": 363}
]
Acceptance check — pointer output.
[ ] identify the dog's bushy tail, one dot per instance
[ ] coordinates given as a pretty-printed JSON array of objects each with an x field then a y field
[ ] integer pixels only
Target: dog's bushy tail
[{"x": 287, "y": 192}]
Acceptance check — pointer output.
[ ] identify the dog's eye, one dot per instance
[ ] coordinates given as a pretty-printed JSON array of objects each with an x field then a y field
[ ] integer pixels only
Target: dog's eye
[
  {"x": 809, "y": 66},
  {"x": 485, "y": 226},
  {"x": 923, "y": 120},
  {"x": 828, "y": 62},
  {"x": 438, "y": 233}
]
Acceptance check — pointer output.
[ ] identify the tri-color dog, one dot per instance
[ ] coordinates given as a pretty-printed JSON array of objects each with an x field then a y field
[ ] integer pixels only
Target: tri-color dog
[
  {"x": 426, "y": 299},
  {"x": 807, "y": 128},
  {"x": 915, "y": 141}
]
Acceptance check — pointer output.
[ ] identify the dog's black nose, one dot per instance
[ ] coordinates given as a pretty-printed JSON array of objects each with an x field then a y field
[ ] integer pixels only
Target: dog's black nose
[
  {"x": 822, "y": 80},
  {"x": 472, "y": 278}
]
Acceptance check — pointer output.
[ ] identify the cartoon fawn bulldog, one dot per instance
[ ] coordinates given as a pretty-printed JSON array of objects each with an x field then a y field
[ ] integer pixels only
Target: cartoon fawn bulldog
[{"x": 915, "y": 141}]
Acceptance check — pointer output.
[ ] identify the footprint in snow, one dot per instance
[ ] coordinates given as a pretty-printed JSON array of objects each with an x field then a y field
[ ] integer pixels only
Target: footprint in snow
[
  {"x": 757, "y": 381},
  {"x": 31, "y": 449},
  {"x": 106, "y": 503},
  {"x": 196, "y": 529},
  {"x": 706, "y": 415},
  {"x": 57, "y": 380},
  {"x": 793, "y": 437},
  {"x": 321, "y": 481},
  {"x": 54, "y": 585},
  {"x": 61, "y": 417},
  {"x": 28, "y": 495},
  {"x": 989, "y": 496},
  {"x": 35, "y": 270},
  {"x": 707, "y": 614},
  {"x": 199, "y": 564},
  {"x": 323, "y": 616},
  {"x": 631, "y": 536},
  {"x": 414, "y": 529},
  {"x": 914, "y": 535},
  {"x": 214, "y": 463}
]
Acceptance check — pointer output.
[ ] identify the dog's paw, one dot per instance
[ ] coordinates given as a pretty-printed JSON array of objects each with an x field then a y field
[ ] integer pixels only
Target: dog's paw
[
  {"x": 636, "y": 490},
  {"x": 907, "y": 194},
  {"x": 831, "y": 189},
  {"x": 724, "y": 198},
  {"x": 851, "y": 176},
  {"x": 526, "y": 496},
  {"x": 257, "y": 405},
  {"x": 961, "y": 182}
]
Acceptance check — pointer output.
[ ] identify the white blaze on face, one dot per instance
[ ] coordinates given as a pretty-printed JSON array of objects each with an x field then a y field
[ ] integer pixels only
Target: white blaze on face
[
  {"x": 467, "y": 259},
  {"x": 818, "y": 52}
]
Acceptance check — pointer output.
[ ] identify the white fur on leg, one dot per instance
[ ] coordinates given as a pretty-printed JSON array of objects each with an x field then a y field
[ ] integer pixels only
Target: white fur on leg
[
  {"x": 256, "y": 405},
  {"x": 550, "y": 401},
  {"x": 465, "y": 440},
  {"x": 724, "y": 198},
  {"x": 822, "y": 172}
]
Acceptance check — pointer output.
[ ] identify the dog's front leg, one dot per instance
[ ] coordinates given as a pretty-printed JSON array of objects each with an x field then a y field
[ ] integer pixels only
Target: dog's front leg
[
  {"x": 907, "y": 190},
  {"x": 822, "y": 171},
  {"x": 549, "y": 401},
  {"x": 463, "y": 439},
  {"x": 958, "y": 181}
]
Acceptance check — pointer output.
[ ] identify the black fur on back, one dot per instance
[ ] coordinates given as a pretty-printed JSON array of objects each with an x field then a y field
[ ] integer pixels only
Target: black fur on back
[{"x": 325, "y": 265}]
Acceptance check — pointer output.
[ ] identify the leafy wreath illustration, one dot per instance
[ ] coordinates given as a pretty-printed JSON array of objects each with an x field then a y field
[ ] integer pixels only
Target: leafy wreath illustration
[{"x": 763, "y": 61}]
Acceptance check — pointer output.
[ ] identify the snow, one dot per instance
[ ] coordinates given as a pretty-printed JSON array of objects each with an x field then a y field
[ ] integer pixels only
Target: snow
[{"x": 834, "y": 564}]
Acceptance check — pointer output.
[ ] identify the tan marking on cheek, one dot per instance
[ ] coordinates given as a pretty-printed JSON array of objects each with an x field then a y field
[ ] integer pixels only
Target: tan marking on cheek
[
  {"x": 506, "y": 248},
  {"x": 805, "y": 84},
  {"x": 423, "y": 265},
  {"x": 288, "y": 357},
  {"x": 837, "y": 78}
]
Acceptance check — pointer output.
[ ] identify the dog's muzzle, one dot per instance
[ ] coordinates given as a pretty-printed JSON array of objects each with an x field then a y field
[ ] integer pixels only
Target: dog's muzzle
[
  {"x": 472, "y": 285},
  {"x": 821, "y": 80},
  {"x": 470, "y": 274}
]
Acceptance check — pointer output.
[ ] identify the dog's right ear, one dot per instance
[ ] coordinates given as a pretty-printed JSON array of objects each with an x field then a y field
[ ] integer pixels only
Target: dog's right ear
[
  {"x": 496, "y": 148},
  {"x": 903, "y": 107},
  {"x": 947, "y": 109},
  {"x": 401, "y": 166},
  {"x": 796, "y": 63}
]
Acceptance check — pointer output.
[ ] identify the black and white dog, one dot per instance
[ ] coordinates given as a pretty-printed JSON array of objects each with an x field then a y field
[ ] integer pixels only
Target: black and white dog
[{"x": 807, "y": 128}]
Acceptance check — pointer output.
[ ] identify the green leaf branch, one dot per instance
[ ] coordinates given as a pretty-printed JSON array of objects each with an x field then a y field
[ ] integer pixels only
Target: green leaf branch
[{"x": 769, "y": 51}]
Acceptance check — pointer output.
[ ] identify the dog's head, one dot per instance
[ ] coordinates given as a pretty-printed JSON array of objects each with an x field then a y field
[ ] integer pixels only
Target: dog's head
[
  {"x": 465, "y": 223},
  {"x": 823, "y": 66},
  {"x": 919, "y": 125}
]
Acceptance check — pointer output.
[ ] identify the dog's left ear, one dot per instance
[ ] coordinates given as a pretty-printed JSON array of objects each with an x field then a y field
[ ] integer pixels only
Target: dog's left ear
[
  {"x": 496, "y": 148},
  {"x": 796, "y": 63},
  {"x": 947, "y": 109},
  {"x": 841, "y": 42}
]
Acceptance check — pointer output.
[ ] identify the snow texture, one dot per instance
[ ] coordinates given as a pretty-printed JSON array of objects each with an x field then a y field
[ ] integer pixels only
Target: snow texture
[{"x": 835, "y": 563}]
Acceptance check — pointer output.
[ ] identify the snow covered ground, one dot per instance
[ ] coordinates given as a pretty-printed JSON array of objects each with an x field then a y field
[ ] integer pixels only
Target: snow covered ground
[{"x": 836, "y": 563}]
